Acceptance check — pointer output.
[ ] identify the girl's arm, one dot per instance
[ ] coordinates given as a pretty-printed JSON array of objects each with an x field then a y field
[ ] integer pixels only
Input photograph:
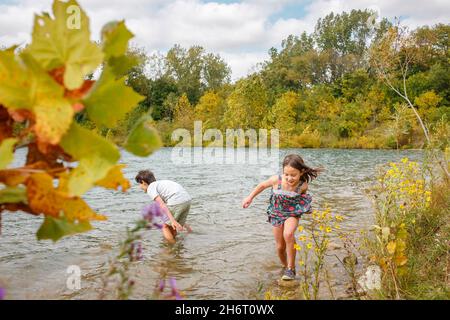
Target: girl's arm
[
  {"x": 304, "y": 187},
  {"x": 174, "y": 222},
  {"x": 259, "y": 188}
]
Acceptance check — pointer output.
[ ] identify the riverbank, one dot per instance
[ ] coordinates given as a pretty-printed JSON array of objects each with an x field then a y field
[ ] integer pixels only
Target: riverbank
[{"x": 407, "y": 249}]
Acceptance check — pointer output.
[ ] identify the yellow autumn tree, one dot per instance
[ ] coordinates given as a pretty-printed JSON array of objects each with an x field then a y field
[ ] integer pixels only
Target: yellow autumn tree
[
  {"x": 427, "y": 104},
  {"x": 284, "y": 113},
  {"x": 247, "y": 104},
  {"x": 210, "y": 110},
  {"x": 184, "y": 113}
]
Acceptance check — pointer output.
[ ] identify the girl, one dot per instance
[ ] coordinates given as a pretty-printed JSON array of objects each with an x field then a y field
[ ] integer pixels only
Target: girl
[{"x": 288, "y": 202}]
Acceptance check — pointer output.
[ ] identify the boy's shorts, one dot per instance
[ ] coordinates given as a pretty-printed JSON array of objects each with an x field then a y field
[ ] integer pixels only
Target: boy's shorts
[{"x": 180, "y": 212}]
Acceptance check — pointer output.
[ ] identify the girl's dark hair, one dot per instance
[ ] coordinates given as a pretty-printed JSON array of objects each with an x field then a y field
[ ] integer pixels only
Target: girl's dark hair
[
  {"x": 295, "y": 161},
  {"x": 145, "y": 176}
]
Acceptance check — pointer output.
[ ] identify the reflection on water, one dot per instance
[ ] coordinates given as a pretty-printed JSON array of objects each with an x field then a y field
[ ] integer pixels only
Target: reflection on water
[{"x": 229, "y": 251}]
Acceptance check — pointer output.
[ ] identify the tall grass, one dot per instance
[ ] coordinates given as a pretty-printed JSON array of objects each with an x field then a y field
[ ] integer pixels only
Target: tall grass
[{"x": 411, "y": 239}]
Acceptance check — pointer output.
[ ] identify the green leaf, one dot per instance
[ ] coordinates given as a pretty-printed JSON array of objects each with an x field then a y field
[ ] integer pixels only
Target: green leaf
[
  {"x": 13, "y": 195},
  {"x": 65, "y": 42},
  {"x": 115, "y": 37},
  {"x": 96, "y": 157},
  {"x": 7, "y": 152},
  {"x": 110, "y": 100},
  {"x": 143, "y": 139},
  {"x": 121, "y": 65},
  {"x": 55, "y": 229}
]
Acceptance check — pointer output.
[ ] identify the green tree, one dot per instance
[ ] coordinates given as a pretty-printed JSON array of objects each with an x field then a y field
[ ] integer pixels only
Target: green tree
[
  {"x": 195, "y": 71},
  {"x": 215, "y": 73},
  {"x": 160, "y": 89},
  {"x": 344, "y": 38},
  {"x": 185, "y": 66}
]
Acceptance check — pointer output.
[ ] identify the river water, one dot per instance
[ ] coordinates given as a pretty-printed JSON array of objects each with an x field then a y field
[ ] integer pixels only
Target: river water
[{"x": 230, "y": 252}]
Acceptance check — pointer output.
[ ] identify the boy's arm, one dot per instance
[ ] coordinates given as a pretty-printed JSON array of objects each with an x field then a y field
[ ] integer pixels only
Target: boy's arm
[
  {"x": 259, "y": 188},
  {"x": 174, "y": 222}
]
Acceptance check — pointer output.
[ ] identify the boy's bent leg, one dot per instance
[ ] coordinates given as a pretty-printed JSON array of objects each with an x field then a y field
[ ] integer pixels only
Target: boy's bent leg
[
  {"x": 169, "y": 233},
  {"x": 180, "y": 213}
]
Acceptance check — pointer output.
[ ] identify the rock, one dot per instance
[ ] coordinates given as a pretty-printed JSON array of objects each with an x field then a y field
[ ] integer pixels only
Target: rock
[
  {"x": 350, "y": 260},
  {"x": 288, "y": 283}
]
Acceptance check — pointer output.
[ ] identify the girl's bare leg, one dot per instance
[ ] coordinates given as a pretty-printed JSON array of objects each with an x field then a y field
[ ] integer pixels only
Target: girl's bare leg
[
  {"x": 281, "y": 244},
  {"x": 290, "y": 225},
  {"x": 169, "y": 233}
]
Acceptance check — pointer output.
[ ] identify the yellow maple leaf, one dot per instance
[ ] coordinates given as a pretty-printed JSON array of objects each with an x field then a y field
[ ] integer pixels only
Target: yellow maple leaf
[
  {"x": 43, "y": 198},
  {"x": 115, "y": 179}
]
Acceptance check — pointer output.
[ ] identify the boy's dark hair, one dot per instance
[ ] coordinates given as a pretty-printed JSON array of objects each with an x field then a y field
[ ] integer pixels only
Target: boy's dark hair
[
  {"x": 145, "y": 176},
  {"x": 295, "y": 161}
]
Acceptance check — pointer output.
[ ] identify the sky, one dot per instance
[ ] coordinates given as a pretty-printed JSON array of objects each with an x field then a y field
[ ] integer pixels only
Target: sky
[{"x": 242, "y": 31}]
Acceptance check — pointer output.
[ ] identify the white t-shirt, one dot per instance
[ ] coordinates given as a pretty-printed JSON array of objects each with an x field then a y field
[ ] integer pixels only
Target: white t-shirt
[{"x": 170, "y": 192}]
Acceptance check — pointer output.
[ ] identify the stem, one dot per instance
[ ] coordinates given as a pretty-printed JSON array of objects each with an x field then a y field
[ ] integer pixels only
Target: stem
[
  {"x": 327, "y": 278},
  {"x": 395, "y": 281}
]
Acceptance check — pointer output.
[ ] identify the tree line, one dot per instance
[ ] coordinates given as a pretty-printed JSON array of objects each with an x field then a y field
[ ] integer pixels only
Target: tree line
[{"x": 319, "y": 89}]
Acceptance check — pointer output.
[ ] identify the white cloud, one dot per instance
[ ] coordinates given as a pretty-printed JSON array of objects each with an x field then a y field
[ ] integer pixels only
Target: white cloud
[{"x": 242, "y": 32}]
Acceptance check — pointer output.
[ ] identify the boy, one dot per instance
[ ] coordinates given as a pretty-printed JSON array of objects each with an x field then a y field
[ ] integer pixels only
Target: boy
[{"x": 172, "y": 198}]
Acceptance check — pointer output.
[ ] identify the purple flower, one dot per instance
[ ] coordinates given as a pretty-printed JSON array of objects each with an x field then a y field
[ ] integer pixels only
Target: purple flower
[
  {"x": 152, "y": 210},
  {"x": 162, "y": 285},
  {"x": 175, "y": 292},
  {"x": 2, "y": 293},
  {"x": 136, "y": 251}
]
